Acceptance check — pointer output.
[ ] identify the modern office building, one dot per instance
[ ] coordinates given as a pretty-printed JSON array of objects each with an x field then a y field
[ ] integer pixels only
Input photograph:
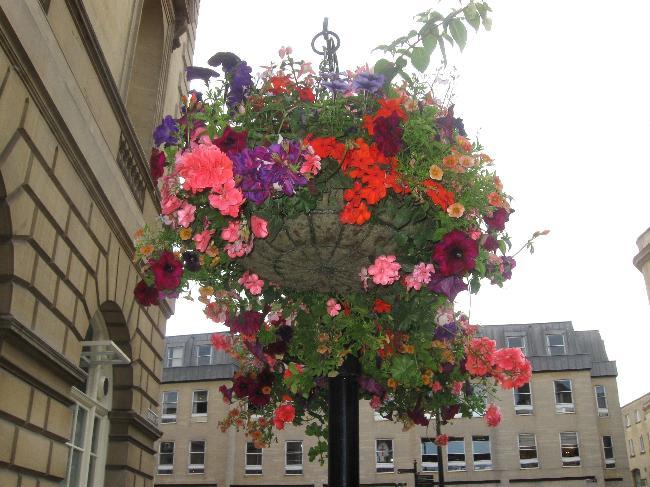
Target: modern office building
[
  {"x": 563, "y": 429},
  {"x": 642, "y": 259},
  {"x": 636, "y": 420},
  {"x": 83, "y": 83}
]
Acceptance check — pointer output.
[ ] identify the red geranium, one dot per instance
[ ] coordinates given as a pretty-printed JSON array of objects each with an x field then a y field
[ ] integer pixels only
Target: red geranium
[
  {"x": 438, "y": 194},
  {"x": 382, "y": 306},
  {"x": 283, "y": 414}
]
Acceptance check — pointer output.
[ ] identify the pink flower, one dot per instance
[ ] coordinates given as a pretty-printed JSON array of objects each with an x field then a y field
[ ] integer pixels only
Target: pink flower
[
  {"x": 203, "y": 239},
  {"x": 375, "y": 402},
  {"x": 480, "y": 356},
  {"x": 259, "y": 227},
  {"x": 186, "y": 214},
  {"x": 512, "y": 368},
  {"x": 457, "y": 388},
  {"x": 311, "y": 164},
  {"x": 285, "y": 51},
  {"x": 436, "y": 386},
  {"x": 385, "y": 270},
  {"x": 441, "y": 440},
  {"x": 252, "y": 282},
  {"x": 238, "y": 249},
  {"x": 421, "y": 275},
  {"x": 204, "y": 167},
  {"x": 170, "y": 204},
  {"x": 216, "y": 312},
  {"x": 493, "y": 415},
  {"x": 333, "y": 308},
  {"x": 227, "y": 198},
  {"x": 231, "y": 232},
  {"x": 221, "y": 341}
]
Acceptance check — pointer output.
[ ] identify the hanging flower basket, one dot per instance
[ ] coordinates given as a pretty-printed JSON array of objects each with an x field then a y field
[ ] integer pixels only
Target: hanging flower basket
[{"x": 324, "y": 216}]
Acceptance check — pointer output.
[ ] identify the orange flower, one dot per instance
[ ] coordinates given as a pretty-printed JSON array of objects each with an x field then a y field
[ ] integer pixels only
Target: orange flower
[
  {"x": 435, "y": 172},
  {"x": 495, "y": 199},
  {"x": 498, "y": 184},
  {"x": 185, "y": 233},
  {"x": 146, "y": 249},
  {"x": 450, "y": 161},
  {"x": 456, "y": 210},
  {"x": 466, "y": 161},
  {"x": 212, "y": 251},
  {"x": 322, "y": 349},
  {"x": 464, "y": 144},
  {"x": 439, "y": 195},
  {"x": 407, "y": 349},
  {"x": 266, "y": 390},
  {"x": 391, "y": 383},
  {"x": 139, "y": 234}
]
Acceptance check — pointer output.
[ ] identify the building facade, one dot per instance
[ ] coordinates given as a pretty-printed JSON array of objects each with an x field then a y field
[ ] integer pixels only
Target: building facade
[
  {"x": 642, "y": 259},
  {"x": 636, "y": 418},
  {"x": 82, "y": 85},
  {"x": 564, "y": 428}
]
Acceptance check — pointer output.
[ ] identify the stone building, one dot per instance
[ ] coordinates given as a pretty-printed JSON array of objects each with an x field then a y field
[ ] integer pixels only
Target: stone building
[
  {"x": 636, "y": 418},
  {"x": 563, "y": 429},
  {"x": 642, "y": 259},
  {"x": 82, "y": 85}
]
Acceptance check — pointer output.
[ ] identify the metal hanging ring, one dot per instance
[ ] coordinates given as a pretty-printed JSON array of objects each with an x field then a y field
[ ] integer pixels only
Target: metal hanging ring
[{"x": 331, "y": 44}]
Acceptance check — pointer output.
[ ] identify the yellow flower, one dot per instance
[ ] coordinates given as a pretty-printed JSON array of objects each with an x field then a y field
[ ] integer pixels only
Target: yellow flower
[
  {"x": 435, "y": 172},
  {"x": 185, "y": 233},
  {"x": 146, "y": 249},
  {"x": 456, "y": 210},
  {"x": 206, "y": 291}
]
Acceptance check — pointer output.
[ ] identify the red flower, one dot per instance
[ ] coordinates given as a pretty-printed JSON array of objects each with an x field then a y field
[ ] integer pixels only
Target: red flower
[
  {"x": 305, "y": 94},
  {"x": 283, "y": 414},
  {"x": 438, "y": 194},
  {"x": 355, "y": 215},
  {"x": 157, "y": 164},
  {"x": 382, "y": 306},
  {"x": 145, "y": 295},
  {"x": 327, "y": 147},
  {"x": 167, "y": 271},
  {"x": 455, "y": 254},
  {"x": 388, "y": 134},
  {"x": 232, "y": 140},
  {"x": 280, "y": 84}
]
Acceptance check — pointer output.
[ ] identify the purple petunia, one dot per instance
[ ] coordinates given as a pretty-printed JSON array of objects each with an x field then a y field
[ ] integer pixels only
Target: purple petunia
[
  {"x": 446, "y": 332},
  {"x": 166, "y": 132},
  {"x": 368, "y": 82},
  {"x": 240, "y": 82},
  {"x": 449, "y": 286}
]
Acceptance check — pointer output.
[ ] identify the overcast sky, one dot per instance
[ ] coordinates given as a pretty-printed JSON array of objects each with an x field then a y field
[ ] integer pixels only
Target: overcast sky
[{"x": 559, "y": 94}]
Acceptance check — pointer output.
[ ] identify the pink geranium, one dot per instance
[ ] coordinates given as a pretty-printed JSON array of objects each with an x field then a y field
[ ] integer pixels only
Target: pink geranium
[
  {"x": 227, "y": 198},
  {"x": 456, "y": 388},
  {"x": 480, "y": 356},
  {"x": 385, "y": 270},
  {"x": 493, "y": 415},
  {"x": 436, "y": 386},
  {"x": 204, "y": 167},
  {"x": 441, "y": 440},
  {"x": 421, "y": 275},
  {"x": 186, "y": 214},
  {"x": 217, "y": 312},
  {"x": 170, "y": 204},
  {"x": 333, "y": 308},
  {"x": 231, "y": 232},
  {"x": 512, "y": 368},
  {"x": 259, "y": 226},
  {"x": 238, "y": 248},
  {"x": 311, "y": 164},
  {"x": 252, "y": 282},
  {"x": 203, "y": 239},
  {"x": 375, "y": 402}
]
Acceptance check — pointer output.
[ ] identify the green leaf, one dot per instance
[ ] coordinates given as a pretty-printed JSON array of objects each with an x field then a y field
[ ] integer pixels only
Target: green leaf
[
  {"x": 458, "y": 32},
  {"x": 420, "y": 58},
  {"x": 487, "y": 23},
  {"x": 429, "y": 42},
  {"x": 472, "y": 16},
  {"x": 383, "y": 66}
]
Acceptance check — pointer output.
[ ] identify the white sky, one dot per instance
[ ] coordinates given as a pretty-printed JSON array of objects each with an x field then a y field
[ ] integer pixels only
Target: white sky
[{"x": 559, "y": 94}]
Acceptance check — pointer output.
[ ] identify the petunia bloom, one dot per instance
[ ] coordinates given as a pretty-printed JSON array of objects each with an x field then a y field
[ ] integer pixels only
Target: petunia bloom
[
  {"x": 455, "y": 254},
  {"x": 157, "y": 163},
  {"x": 145, "y": 295},
  {"x": 167, "y": 271},
  {"x": 166, "y": 132}
]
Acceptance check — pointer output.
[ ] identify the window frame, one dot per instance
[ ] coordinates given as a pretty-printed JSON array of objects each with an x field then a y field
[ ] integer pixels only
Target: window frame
[
  {"x": 165, "y": 418},
  {"x": 603, "y": 412},
  {"x": 610, "y": 462},
  {"x": 627, "y": 421},
  {"x": 191, "y": 465},
  {"x": 524, "y": 346},
  {"x": 160, "y": 453},
  {"x": 485, "y": 464},
  {"x": 564, "y": 407},
  {"x": 457, "y": 463},
  {"x": 249, "y": 468},
  {"x": 293, "y": 469},
  {"x": 630, "y": 444},
  {"x": 194, "y": 402},
  {"x": 641, "y": 445},
  {"x": 570, "y": 463},
  {"x": 637, "y": 416},
  {"x": 169, "y": 357},
  {"x": 198, "y": 356},
  {"x": 528, "y": 461},
  {"x": 385, "y": 467},
  {"x": 428, "y": 466},
  {"x": 550, "y": 347},
  {"x": 523, "y": 409}
]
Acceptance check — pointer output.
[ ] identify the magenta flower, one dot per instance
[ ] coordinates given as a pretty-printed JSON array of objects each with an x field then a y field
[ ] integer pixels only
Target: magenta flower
[
  {"x": 167, "y": 271},
  {"x": 145, "y": 295},
  {"x": 385, "y": 270},
  {"x": 455, "y": 254}
]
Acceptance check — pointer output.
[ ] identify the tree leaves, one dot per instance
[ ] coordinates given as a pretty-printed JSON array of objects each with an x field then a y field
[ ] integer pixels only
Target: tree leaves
[{"x": 458, "y": 32}]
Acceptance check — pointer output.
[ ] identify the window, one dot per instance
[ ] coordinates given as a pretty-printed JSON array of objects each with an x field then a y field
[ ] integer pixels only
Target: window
[
  {"x": 482, "y": 452},
  {"x": 523, "y": 400},
  {"x": 570, "y": 450},
  {"x": 641, "y": 445},
  {"x": 197, "y": 457},
  {"x": 630, "y": 444},
  {"x": 528, "y": 451},
  {"x": 563, "y": 396},
  {"x": 601, "y": 401},
  {"x": 517, "y": 342},
  {"x": 627, "y": 421},
  {"x": 384, "y": 455},
  {"x": 166, "y": 458},
  {"x": 200, "y": 403},
  {"x": 203, "y": 354},
  {"x": 169, "y": 407},
  {"x": 174, "y": 357},
  {"x": 480, "y": 392},
  {"x": 253, "y": 460},
  {"x": 555, "y": 345},
  {"x": 608, "y": 452},
  {"x": 429, "y": 455},
  {"x": 293, "y": 458},
  {"x": 637, "y": 415},
  {"x": 456, "y": 454}
]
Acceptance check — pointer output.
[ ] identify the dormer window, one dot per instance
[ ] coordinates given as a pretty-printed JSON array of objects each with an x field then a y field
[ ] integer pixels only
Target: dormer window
[
  {"x": 517, "y": 342},
  {"x": 555, "y": 345}
]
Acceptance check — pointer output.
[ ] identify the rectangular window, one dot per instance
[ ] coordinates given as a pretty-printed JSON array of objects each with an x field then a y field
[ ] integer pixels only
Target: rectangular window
[
  {"x": 456, "y": 454},
  {"x": 166, "y": 458},
  {"x": 253, "y": 459},
  {"x": 174, "y": 357},
  {"x": 203, "y": 354},
  {"x": 570, "y": 450},
  {"x": 197, "y": 457},
  {"x": 523, "y": 400},
  {"x": 517, "y": 342},
  {"x": 429, "y": 455},
  {"x": 627, "y": 421},
  {"x": 608, "y": 452},
  {"x": 630, "y": 444},
  {"x": 200, "y": 403},
  {"x": 528, "y": 451},
  {"x": 555, "y": 345},
  {"x": 601, "y": 401},
  {"x": 384, "y": 455},
  {"x": 637, "y": 415},
  {"x": 482, "y": 452},
  {"x": 169, "y": 406},
  {"x": 641, "y": 445},
  {"x": 563, "y": 396},
  {"x": 293, "y": 458}
]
